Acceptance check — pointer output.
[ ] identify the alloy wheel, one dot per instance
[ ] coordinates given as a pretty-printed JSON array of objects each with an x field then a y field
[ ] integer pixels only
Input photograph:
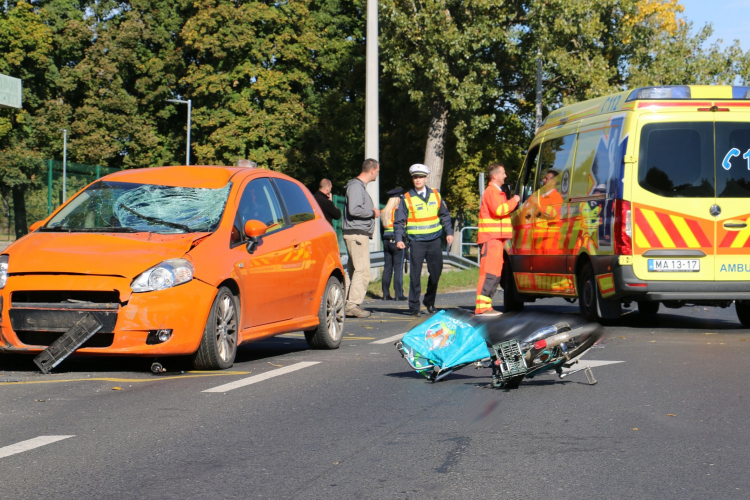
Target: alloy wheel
[
  {"x": 226, "y": 328},
  {"x": 335, "y": 312}
]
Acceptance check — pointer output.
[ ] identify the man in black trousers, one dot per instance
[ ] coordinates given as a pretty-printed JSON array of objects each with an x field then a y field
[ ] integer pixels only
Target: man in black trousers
[{"x": 423, "y": 216}]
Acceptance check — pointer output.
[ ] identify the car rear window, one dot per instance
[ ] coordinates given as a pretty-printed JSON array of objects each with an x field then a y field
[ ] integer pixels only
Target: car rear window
[
  {"x": 297, "y": 204},
  {"x": 677, "y": 159},
  {"x": 733, "y": 160}
]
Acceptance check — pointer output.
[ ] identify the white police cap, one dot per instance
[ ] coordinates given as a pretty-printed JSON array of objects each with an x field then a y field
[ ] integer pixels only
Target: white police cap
[{"x": 419, "y": 169}]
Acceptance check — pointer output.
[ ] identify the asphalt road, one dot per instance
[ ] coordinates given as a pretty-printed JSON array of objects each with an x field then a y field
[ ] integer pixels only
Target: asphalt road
[{"x": 669, "y": 420}]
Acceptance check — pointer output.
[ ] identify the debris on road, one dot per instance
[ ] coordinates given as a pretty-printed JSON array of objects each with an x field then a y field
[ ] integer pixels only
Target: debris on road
[{"x": 67, "y": 344}]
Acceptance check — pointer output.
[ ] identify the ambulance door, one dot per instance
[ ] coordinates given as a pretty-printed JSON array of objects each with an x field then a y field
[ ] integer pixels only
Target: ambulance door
[
  {"x": 522, "y": 218},
  {"x": 672, "y": 198},
  {"x": 557, "y": 155},
  {"x": 732, "y": 136}
]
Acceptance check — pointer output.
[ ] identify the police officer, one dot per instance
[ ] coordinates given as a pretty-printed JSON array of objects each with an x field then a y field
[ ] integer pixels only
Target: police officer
[{"x": 424, "y": 216}]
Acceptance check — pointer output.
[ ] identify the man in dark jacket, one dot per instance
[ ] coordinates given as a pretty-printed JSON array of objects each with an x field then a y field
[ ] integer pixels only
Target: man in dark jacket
[{"x": 325, "y": 200}]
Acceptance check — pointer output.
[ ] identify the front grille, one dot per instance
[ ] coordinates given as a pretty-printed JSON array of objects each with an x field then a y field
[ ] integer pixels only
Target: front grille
[
  {"x": 40, "y": 317},
  {"x": 46, "y": 339}
]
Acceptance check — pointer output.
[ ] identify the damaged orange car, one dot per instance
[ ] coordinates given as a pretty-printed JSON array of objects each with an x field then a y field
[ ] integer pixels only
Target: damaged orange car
[{"x": 176, "y": 261}]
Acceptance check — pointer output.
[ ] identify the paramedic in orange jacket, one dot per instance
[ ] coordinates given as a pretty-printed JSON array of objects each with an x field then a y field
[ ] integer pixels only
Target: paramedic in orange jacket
[
  {"x": 548, "y": 204},
  {"x": 494, "y": 229}
]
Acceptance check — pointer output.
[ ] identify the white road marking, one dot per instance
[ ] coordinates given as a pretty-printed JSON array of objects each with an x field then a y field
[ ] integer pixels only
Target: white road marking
[
  {"x": 263, "y": 376},
  {"x": 30, "y": 444},
  {"x": 389, "y": 339}
]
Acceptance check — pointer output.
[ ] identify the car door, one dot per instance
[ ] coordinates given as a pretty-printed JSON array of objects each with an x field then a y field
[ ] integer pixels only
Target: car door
[
  {"x": 522, "y": 220},
  {"x": 673, "y": 194},
  {"x": 265, "y": 277},
  {"x": 732, "y": 165},
  {"x": 305, "y": 237}
]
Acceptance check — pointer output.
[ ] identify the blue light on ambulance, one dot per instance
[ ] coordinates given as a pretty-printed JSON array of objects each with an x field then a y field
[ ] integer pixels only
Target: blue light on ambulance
[{"x": 666, "y": 92}]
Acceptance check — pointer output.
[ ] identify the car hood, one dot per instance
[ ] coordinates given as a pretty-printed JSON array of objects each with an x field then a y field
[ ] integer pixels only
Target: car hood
[{"x": 125, "y": 255}]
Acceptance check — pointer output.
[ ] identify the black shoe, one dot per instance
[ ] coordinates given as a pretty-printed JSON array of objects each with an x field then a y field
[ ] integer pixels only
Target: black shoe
[
  {"x": 402, "y": 298},
  {"x": 431, "y": 310},
  {"x": 414, "y": 312},
  {"x": 387, "y": 297}
]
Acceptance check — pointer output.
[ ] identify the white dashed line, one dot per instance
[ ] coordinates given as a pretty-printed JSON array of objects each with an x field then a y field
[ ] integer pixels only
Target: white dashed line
[
  {"x": 389, "y": 339},
  {"x": 30, "y": 444},
  {"x": 263, "y": 376}
]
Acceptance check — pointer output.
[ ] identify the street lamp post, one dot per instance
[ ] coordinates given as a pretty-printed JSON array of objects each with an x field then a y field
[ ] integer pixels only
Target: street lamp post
[
  {"x": 189, "y": 103},
  {"x": 371, "y": 104}
]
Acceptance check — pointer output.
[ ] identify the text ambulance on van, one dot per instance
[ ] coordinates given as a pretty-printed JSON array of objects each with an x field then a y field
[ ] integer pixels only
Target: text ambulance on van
[{"x": 642, "y": 197}]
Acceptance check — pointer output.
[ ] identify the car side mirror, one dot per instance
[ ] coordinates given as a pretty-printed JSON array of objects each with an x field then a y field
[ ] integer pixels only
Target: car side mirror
[
  {"x": 254, "y": 230},
  {"x": 36, "y": 226}
]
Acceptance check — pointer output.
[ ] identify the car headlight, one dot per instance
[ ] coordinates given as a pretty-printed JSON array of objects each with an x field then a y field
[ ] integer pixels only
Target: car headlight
[
  {"x": 169, "y": 273},
  {"x": 3, "y": 270}
]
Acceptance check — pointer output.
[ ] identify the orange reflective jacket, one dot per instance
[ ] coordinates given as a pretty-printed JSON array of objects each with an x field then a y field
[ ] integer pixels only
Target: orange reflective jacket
[{"x": 494, "y": 215}]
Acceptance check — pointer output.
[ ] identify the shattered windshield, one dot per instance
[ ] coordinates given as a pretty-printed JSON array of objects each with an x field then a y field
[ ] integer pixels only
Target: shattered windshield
[{"x": 132, "y": 207}]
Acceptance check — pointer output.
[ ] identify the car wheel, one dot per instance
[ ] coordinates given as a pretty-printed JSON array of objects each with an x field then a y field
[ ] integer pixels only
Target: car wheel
[
  {"x": 743, "y": 312},
  {"x": 219, "y": 343},
  {"x": 510, "y": 302},
  {"x": 329, "y": 332},
  {"x": 587, "y": 293},
  {"x": 648, "y": 308}
]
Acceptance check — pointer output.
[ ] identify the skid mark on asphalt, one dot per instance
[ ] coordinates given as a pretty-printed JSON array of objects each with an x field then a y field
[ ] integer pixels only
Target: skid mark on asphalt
[
  {"x": 129, "y": 380},
  {"x": 30, "y": 444},
  {"x": 389, "y": 339},
  {"x": 263, "y": 376}
]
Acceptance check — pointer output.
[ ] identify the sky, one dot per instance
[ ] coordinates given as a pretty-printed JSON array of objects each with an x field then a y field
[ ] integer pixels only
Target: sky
[{"x": 729, "y": 19}]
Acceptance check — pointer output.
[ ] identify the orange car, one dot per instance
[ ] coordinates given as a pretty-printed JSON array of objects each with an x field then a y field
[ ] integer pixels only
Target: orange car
[{"x": 176, "y": 261}]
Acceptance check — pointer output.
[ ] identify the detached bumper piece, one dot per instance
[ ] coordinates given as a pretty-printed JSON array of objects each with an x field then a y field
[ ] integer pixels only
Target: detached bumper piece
[{"x": 68, "y": 343}]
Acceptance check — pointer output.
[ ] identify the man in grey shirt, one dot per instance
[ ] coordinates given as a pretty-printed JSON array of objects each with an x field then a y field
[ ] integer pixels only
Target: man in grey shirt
[{"x": 360, "y": 214}]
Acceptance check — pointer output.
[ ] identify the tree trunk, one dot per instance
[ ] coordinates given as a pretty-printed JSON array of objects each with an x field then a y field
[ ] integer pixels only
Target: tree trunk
[
  {"x": 434, "y": 154},
  {"x": 19, "y": 211}
]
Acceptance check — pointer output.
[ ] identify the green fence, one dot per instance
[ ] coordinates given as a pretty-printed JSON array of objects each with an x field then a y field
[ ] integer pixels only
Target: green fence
[{"x": 77, "y": 176}]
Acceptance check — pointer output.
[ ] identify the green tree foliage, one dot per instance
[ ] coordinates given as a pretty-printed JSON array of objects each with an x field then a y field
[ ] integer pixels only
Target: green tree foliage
[{"x": 282, "y": 83}]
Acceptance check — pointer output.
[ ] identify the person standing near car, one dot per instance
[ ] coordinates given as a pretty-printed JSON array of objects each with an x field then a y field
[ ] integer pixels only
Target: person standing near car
[
  {"x": 394, "y": 256},
  {"x": 325, "y": 199},
  {"x": 423, "y": 216},
  {"x": 494, "y": 229},
  {"x": 358, "y": 227}
]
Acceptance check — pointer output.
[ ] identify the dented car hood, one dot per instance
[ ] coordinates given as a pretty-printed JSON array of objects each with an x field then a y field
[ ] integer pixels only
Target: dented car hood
[{"x": 125, "y": 255}]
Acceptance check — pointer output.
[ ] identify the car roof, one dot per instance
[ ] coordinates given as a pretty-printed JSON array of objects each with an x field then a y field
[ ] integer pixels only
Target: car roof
[{"x": 194, "y": 176}]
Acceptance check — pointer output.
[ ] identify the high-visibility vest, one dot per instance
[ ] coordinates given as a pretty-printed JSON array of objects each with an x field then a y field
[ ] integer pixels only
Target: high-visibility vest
[
  {"x": 495, "y": 224},
  {"x": 423, "y": 220},
  {"x": 388, "y": 225}
]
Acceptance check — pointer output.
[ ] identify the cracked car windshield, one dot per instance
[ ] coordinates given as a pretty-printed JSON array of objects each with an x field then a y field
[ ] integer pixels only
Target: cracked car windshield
[{"x": 132, "y": 207}]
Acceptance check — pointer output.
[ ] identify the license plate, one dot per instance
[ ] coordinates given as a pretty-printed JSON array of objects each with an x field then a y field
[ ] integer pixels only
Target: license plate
[{"x": 674, "y": 265}]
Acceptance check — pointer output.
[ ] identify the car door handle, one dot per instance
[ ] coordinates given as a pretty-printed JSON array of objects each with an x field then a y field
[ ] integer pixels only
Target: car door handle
[
  {"x": 296, "y": 244},
  {"x": 735, "y": 224}
]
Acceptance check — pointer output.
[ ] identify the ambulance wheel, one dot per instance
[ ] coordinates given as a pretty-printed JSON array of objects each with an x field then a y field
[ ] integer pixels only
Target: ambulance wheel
[
  {"x": 648, "y": 308},
  {"x": 218, "y": 346},
  {"x": 510, "y": 293},
  {"x": 743, "y": 312},
  {"x": 329, "y": 332},
  {"x": 587, "y": 293}
]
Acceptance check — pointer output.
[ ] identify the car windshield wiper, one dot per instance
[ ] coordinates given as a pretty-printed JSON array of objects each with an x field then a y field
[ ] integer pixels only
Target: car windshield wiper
[{"x": 156, "y": 220}]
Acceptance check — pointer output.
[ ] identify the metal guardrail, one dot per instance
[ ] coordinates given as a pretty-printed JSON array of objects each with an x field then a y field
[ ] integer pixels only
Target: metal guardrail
[{"x": 377, "y": 260}]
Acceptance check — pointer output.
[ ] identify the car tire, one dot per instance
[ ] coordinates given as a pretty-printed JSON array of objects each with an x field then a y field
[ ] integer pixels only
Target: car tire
[
  {"x": 218, "y": 346},
  {"x": 331, "y": 315},
  {"x": 743, "y": 312},
  {"x": 510, "y": 293},
  {"x": 587, "y": 293},
  {"x": 648, "y": 308}
]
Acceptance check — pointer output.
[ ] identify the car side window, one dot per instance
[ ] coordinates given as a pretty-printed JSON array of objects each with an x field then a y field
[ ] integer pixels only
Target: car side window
[
  {"x": 259, "y": 202},
  {"x": 296, "y": 201},
  {"x": 525, "y": 185}
]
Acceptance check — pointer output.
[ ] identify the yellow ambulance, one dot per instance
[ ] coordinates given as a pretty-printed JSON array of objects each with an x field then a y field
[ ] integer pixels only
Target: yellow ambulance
[{"x": 639, "y": 197}]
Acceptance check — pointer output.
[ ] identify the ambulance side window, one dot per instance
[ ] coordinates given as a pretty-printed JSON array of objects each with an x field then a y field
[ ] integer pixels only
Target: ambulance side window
[
  {"x": 557, "y": 155},
  {"x": 525, "y": 185}
]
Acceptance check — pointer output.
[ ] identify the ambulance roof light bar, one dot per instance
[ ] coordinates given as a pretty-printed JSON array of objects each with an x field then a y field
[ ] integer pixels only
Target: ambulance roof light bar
[{"x": 665, "y": 92}]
